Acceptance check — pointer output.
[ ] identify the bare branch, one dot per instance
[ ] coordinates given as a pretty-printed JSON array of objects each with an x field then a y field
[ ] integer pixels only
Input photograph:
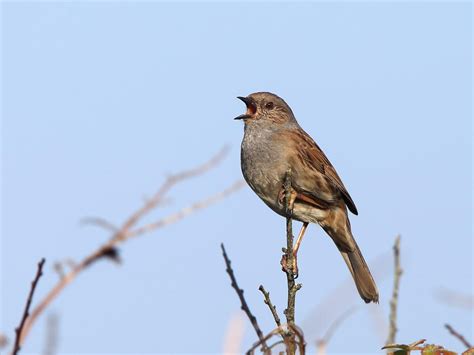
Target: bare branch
[
  {"x": 458, "y": 335},
  {"x": 278, "y": 330},
  {"x": 168, "y": 184},
  {"x": 300, "y": 337},
  {"x": 99, "y": 222},
  {"x": 270, "y": 305},
  {"x": 289, "y": 266},
  {"x": 243, "y": 302},
  {"x": 26, "y": 312},
  {"x": 314, "y": 323},
  {"x": 454, "y": 298},
  {"x": 175, "y": 217},
  {"x": 110, "y": 248},
  {"x": 289, "y": 260},
  {"x": 323, "y": 342},
  {"x": 283, "y": 330},
  {"x": 279, "y": 342},
  {"x": 394, "y": 301}
]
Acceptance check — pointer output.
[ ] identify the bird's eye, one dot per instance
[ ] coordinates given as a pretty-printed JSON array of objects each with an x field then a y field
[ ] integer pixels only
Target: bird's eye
[{"x": 269, "y": 105}]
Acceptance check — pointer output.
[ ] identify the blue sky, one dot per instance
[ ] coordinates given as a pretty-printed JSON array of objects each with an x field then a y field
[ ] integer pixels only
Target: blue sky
[{"x": 100, "y": 100}]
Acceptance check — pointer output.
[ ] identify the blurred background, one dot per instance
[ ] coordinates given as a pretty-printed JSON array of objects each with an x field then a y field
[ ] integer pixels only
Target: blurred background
[{"x": 101, "y": 100}]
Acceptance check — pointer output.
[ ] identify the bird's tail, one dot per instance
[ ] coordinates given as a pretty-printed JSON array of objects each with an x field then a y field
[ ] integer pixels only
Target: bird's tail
[{"x": 360, "y": 272}]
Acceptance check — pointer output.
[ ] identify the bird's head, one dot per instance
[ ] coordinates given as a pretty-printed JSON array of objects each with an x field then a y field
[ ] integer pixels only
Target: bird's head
[{"x": 266, "y": 106}]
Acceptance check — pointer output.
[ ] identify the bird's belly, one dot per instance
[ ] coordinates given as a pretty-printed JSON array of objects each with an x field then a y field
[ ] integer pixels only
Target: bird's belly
[
  {"x": 266, "y": 179},
  {"x": 266, "y": 182}
]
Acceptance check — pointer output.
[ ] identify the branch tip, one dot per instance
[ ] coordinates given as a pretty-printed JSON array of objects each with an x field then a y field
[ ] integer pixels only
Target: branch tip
[
  {"x": 458, "y": 335},
  {"x": 243, "y": 302},
  {"x": 26, "y": 312}
]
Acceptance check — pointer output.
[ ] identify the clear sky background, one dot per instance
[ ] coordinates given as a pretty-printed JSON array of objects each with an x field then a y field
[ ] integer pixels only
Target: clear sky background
[{"x": 100, "y": 100}]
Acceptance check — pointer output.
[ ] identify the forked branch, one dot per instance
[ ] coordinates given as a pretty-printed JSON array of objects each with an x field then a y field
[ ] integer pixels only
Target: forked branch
[{"x": 129, "y": 229}]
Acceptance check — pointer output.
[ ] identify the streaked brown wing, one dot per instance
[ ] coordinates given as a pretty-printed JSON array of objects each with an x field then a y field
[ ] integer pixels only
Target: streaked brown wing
[{"x": 315, "y": 158}]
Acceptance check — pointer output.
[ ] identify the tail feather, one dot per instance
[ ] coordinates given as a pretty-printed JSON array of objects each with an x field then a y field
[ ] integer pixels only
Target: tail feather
[
  {"x": 338, "y": 227},
  {"x": 361, "y": 274}
]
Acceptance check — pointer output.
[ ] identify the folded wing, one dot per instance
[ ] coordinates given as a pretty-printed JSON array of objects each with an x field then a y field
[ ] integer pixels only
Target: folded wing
[{"x": 321, "y": 181}]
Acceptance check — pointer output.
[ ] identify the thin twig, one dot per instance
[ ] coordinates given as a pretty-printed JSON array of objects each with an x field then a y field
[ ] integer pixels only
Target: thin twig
[
  {"x": 299, "y": 335},
  {"x": 270, "y": 305},
  {"x": 289, "y": 260},
  {"x": 283, "y": 330},
  {"x": 279, "y": 342},
  {"x": 337, "y": 322},
  {"x": 26, "y": 312},
  {"x": 289, "y": 264},
  {"x": 278, "y": 330},
  {"x": 99, "y": 222},
  {"x": 243, "y": 302},
  {"x": 329, "y": 307},
  {"x": 175, "y": 217},
  {"x": 455, "y": 298},
  {"x": 168, "y": 184},
  {"x": 392, "y": 332},
  {"x": 458, "y": 335},
  {"x": 126, "y": 231},
  {"x": 323, "y": 342}
]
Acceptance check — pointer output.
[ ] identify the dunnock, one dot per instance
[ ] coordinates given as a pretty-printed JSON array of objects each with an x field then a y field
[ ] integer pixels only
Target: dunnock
[{"x": 273, "y": 143}]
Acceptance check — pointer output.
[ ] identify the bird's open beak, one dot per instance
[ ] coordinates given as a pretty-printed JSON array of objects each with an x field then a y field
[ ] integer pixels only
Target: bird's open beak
[{"x": 251, "y": 108}]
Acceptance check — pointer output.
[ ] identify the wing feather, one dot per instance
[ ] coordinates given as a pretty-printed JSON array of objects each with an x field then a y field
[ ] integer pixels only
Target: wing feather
[{"x": 314, "y": 158}]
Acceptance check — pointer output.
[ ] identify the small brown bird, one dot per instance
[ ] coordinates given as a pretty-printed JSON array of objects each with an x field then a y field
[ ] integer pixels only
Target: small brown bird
[{"x": 274, "y": 142}]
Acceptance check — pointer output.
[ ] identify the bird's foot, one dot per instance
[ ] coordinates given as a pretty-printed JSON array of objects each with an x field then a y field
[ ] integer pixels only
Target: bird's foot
[
  {"x": 282, "y": 198},
  {"x": 287, "y": 268}
]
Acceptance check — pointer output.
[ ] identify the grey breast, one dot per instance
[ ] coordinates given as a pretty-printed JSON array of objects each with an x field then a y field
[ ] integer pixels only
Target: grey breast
[{"x": 263, "y": 163}]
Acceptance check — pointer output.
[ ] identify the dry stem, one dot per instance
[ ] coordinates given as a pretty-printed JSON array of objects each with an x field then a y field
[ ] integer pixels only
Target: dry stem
[
  {"x": 283, "y": 330},
  {"x": 270, "y": 305},
  {"x": 122, "y": 234},
  {"x": 26, "y": 312},
  {"x": 394, "y": 301},
  {"x": 458, "y": 335},
  {"x": 323, "y": 342},
  {"x": 289, "y": 266},
  {"x": 243, "y": 302},
  {"x": 278, "y": 330}
]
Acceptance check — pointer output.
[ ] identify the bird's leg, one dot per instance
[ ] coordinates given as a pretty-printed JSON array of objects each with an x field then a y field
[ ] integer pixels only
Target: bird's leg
[
  {"x": 300, "y": 238},
  {"x": 282, "y": 198},
  {"x": 297, "y": 246}
]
